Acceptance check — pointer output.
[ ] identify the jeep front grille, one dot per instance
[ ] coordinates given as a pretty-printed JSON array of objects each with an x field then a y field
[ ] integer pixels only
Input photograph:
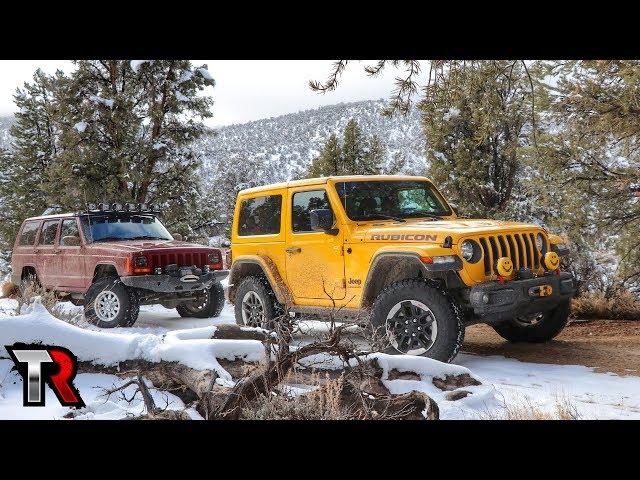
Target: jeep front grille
[
  {"x": 187, "y": 259},
  {"x": 519, "y": 247}
]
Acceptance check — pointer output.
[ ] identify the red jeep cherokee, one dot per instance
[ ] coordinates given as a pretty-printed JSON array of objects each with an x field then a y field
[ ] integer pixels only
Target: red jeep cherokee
[{"x": 112, "y": 259}]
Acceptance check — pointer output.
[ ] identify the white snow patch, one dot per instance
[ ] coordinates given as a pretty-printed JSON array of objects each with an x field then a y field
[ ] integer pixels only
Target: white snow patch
[
  {"x": 80, "y": 126},
  {"x": 185, "y": 77},
  {"x": 453, "y": 112},
  {"x": 205, "y": 74},
  {"x": 136, "y": 64},
  {"x": 106, "y": 102},
  {"x": 181, "y": 97}
]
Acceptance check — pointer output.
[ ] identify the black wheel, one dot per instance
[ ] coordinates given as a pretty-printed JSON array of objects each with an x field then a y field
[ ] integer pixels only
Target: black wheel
[
  {"x": 109, "y": 303},
  {"x": 412, "y": 317},
  {"x": 535, "y": 328},
  {"x": 255, "y": 305},
  {"x": 209, "y": 307}
]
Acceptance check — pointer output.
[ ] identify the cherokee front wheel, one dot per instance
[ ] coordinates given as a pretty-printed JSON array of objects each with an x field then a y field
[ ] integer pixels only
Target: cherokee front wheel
[
  {"x": 411, "y": 317},
  {"x": 109, "y": 303}
]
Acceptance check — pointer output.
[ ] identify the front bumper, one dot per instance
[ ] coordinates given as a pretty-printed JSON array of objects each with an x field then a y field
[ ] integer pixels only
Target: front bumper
[
  {"x": 493, "y": 302},
  {"x": 174, "y": 284}
]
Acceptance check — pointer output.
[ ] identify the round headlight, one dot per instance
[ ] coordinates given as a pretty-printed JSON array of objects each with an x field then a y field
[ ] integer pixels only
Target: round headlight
[
  {"x": 540, "y": 241},
  {"x": 467, "y": 250}
]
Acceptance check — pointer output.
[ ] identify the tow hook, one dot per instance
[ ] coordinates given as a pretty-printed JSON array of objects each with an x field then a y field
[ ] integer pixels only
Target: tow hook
[{"x": 541, "y": 291}]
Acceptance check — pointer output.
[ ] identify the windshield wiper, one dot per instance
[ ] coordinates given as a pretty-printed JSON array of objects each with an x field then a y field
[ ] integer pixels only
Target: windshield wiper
[
  {"x": 147, "y": 237},
  {"x": 383, "y": 216},
  {"x": 424, "y": 213},
  {"x": 109, "y": 239}
]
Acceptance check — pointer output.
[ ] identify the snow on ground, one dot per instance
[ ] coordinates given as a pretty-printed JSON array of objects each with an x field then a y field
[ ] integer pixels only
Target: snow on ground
[
  {"x": 92, "y": 388},
  {"x": 594, "y": 395},
  {"x": 160, "y": 333}
]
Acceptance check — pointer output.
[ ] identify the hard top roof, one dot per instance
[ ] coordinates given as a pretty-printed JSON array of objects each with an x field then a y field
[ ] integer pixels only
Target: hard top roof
[{"x": 321, "y": 181}]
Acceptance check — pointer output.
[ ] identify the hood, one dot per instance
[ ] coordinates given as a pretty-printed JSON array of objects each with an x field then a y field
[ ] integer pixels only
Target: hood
[
  {"x": 434, "y": 231},
  {"x": 152, "y": 246}
]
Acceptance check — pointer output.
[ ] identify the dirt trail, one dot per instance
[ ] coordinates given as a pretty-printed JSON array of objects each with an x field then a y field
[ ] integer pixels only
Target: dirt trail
[{"x": 606, "y": 345}]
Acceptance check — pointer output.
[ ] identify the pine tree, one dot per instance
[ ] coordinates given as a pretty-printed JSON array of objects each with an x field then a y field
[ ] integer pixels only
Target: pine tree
[
  {"x": 329, "y": 162},
  {"x": 596, "y": 104},
  {"x": 353, "y": 149},
  {"x": 112, "y": 130},
  {"x": 24, "y": 173},
  {"x": 357, "y": 155},
  {"x": 478, "y": 122},
  {"x": 373, "y": 157}
]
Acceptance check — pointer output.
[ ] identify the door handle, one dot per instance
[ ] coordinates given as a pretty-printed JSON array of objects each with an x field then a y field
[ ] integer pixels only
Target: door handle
[{"x": 293, "y": 250}]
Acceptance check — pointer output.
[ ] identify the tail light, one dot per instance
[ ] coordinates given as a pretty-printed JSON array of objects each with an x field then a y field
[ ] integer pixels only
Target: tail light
[{"x": 215, "y": 260}]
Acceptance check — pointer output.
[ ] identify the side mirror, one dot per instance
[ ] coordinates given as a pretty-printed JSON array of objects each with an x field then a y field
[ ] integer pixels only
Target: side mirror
[
  {"x": 322, "y": 221},
  {"x": 454, "y": 207},
  {"x": 70, "y": 241},
  {"x": 177, "y": 236}
]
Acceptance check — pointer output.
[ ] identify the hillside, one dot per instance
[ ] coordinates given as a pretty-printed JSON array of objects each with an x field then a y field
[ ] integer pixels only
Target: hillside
[{"x": 289, "y": 142}]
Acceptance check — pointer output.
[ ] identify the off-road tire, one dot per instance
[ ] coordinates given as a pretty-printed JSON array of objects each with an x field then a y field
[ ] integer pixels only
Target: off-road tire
[
  {"x": 261, "y": 287},
  {"x": 450, "y": 328},
  {"x": 127, "y": 298},
  {"x": 550, "y": 325},
  {"x": 213, "y": 307}
]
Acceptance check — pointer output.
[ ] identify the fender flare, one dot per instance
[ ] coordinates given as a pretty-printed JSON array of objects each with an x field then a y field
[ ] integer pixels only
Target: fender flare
[
  {"x": 412, "y": 266},
  {"x": 370, "y": 284},
  {"x": 270, "y": 271}
]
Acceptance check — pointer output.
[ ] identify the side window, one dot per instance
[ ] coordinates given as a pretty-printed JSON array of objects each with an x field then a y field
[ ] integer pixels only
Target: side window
[
  {"x": 29, "y": 231},
  {"x": 303, "y": 203},
  {"x": 260, "y": 216},
  {"x": 49, "y": 231},
  {"x": 69, "y": 229}
]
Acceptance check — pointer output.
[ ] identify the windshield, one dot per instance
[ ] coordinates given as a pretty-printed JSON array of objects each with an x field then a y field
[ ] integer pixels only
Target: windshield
[
  {"x": 101, "y": 228},
  {"x": 393, "y": 200}
]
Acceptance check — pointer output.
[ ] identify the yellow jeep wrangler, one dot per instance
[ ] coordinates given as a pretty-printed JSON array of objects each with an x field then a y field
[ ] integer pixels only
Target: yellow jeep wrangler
[{"x": 392, "y": 250}]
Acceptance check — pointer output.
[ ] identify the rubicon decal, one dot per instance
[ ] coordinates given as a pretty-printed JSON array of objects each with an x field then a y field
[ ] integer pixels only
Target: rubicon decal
[
  {"x": 53, "y": 365},
  {"x": 407, "y": 237}
]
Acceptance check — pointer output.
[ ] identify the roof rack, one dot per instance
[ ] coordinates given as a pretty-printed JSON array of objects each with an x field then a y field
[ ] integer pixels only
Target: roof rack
[{"x": 121, "y": 207}]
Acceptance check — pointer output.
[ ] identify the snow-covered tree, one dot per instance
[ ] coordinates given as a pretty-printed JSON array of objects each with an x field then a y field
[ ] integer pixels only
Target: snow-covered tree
[
  {"x": 24, "y": 172},
  {"x": 113, "y": 130},
  {"x": 357, "y": 155}
]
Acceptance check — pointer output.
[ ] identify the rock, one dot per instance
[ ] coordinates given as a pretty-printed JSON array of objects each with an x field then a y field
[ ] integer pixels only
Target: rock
[
  {"x": 453, "y": 382},
  {"x": 236, "y": 332},
  {"x": 396, "y": 374},
  {"x": 456, "y": 395}
]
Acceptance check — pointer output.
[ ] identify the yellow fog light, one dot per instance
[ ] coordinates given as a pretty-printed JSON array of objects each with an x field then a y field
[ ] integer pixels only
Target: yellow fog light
[
  {"x": 551, "y": 260},
  {"x": 505, "y": 267}
]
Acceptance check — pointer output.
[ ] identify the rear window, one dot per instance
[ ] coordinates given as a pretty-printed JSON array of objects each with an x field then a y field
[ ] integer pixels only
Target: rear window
[
  {"x": 260, "y": 216},
  {"x": 49, "y": 231},
  {"x": 29, "y": 231}
]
